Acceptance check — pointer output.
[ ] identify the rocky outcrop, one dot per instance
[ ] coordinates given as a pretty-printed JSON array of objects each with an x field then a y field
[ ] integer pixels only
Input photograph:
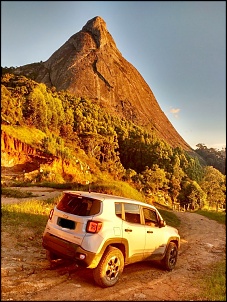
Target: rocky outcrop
[
  {"x": 89, "y": 65},
  {"x": 10, "y": 144},
  {"x": 23, "y": 162}
]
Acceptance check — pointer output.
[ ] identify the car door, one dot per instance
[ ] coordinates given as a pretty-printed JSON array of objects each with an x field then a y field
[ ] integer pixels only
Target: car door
[
  {"x": 155, "y": 241},
  {"x": 133, "y": 231}
]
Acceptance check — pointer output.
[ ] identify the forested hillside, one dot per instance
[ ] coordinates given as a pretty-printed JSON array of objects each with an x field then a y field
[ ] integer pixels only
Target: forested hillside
[
  {"x": 213, "y": 157},
  {"x": 81, "y": 142}
]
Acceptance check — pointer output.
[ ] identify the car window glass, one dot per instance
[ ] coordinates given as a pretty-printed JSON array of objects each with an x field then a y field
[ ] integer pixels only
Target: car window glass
[
  {"x": 132, "y": 212},
  {"x": 150, "y": 217},
  {"x": 77, "y": 205},
  {"x": 118, "y": 209}
]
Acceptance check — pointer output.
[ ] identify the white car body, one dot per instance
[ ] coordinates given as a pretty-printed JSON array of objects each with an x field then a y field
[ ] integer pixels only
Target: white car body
[{"x": 85, "y": 226}]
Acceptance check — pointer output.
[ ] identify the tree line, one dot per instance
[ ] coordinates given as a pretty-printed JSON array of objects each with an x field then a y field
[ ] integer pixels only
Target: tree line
[{"x": 124, "y": 150}]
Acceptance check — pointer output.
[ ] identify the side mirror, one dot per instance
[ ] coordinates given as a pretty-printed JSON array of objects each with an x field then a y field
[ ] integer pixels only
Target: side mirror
[{"x": 162, "y": 223}]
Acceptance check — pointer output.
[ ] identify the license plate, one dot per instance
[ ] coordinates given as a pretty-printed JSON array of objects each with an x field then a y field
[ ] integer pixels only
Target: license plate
[{"x": 66, "y": 223}]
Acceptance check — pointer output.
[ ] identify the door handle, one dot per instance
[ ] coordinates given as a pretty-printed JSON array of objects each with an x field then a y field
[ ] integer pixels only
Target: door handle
[
  {"x": 150, "y": 232},
  {"x": 128, "y": 230}
]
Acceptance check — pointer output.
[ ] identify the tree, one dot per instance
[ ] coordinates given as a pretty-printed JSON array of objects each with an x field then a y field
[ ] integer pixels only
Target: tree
[
  {"x": 194, "y": 170},
  {"x": 213, "y": 157},
  {"x": 214, "y": 185},
  {"x": 154, "y": 179},
  {"x": 11, "y": 108},
  {"x": 197, "y": 196},
  {"x": 129, "y": 174},
  {"x": 35, "y": 109},
  {"x": 174, "y": 188}
]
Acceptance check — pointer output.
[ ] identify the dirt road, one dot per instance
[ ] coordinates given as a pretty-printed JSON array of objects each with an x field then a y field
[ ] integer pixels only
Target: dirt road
[{"x": 27, "y": 275}]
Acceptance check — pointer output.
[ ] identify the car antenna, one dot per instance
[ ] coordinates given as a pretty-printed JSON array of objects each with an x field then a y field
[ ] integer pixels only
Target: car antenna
[{"x": 89, "y": 188}]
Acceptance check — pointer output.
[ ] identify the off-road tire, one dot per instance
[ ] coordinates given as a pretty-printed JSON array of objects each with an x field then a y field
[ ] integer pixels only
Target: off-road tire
[
  {"x": 170, "y": 259},
  {"x": 110, "y": 267}
]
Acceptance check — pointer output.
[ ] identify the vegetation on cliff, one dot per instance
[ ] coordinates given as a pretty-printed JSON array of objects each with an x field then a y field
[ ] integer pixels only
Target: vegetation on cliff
[{"x": 84, "y": 143}]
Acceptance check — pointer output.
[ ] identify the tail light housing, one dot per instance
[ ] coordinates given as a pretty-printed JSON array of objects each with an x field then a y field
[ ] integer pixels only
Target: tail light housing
[
  {"x": 51, "y": 214},
  {"x": 93, "y": 226}
]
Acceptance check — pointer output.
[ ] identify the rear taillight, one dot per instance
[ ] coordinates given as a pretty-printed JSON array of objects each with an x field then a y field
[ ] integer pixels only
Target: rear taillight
[
  {"x": 51, "y": 214},
  {"x": 93, "y": 226}
]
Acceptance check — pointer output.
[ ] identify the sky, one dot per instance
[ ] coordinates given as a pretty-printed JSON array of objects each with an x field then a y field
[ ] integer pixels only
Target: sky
[{"x": 178, "y": 47}]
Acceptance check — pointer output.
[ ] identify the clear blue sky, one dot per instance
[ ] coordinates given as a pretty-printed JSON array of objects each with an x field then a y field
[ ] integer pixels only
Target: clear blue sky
[{"x": 179, "y": 48}]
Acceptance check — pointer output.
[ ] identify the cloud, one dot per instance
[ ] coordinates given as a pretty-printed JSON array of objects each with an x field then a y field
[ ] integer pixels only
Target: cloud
[{"x": 175, "y": 111}]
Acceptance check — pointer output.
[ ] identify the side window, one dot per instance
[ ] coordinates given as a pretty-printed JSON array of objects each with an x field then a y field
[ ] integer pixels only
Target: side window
[
  {"x": 150, "y": 217},
  {"x": 118, "y": 209},
  {"x": 132, "y": 212}
]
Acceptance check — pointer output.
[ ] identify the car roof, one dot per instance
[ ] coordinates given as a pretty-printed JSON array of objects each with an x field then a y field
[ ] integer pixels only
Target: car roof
[{"x": 109, "y": 197}]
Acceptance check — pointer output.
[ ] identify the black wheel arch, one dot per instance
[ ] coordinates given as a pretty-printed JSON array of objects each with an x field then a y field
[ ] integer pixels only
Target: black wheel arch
[
  {"x": 121, "y": 244},
  {"x": 174, "y": 240}
]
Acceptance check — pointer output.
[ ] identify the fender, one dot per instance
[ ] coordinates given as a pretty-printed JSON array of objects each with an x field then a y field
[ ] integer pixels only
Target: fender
[
  {"x": 120, "y": 243},
  {"x": 172, "y": 239}
]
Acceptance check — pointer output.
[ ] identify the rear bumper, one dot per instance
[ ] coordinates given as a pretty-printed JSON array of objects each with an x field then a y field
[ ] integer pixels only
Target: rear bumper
[{"x": 69, "y": 250}]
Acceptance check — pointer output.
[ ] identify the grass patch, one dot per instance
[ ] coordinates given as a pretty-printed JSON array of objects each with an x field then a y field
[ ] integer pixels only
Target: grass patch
[
  {"x": 217, "y": 216},
  {"x": 118, "y": 188},
  {"x": 24, "y": 222},
  {"x": 170, "y": 218},
  {"x": 213, "y": 284},
  {"x": 31, "y": 215},
  {"x": 24, "y": 229},
  {"x": 46, "y": 184},
  {"x": 41, "y": 207},
  {"x": 168, "y": 215},
  {"x": 12, "y": 221},
  {"x": 16, "y": 193},
  {"x": 27, "y": 135}
]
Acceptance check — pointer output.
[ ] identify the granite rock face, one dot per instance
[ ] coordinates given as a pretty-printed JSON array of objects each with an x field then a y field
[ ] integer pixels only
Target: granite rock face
[{"x": 89, "y": 65}]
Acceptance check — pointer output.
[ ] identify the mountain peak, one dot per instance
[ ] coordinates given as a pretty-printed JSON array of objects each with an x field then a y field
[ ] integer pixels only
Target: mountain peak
[
  {"x": 98, "y": 30},
  {"x": 95, "y": 23},
  {"x": 89, "y": 65}
]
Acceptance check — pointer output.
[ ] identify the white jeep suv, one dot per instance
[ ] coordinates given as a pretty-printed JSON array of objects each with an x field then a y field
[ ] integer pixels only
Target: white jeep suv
[{"x": 106, "y": 232}]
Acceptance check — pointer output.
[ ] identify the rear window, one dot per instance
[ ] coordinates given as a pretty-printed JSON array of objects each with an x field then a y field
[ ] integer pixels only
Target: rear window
[{"x": 78, "y": 205}]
